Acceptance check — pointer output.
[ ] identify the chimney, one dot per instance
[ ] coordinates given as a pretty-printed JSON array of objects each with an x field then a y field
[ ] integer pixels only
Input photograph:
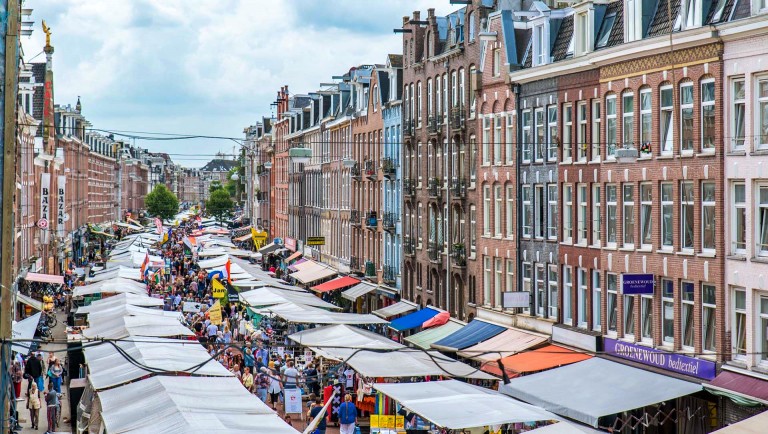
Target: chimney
[
  {"x": 430, "y": 13},
  {"x": 406, "y": 19},
  {"x": 416, "y": 15}
]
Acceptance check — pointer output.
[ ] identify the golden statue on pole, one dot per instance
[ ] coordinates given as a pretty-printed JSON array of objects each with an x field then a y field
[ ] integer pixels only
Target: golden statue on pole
[{"x": 47, "y": 31}]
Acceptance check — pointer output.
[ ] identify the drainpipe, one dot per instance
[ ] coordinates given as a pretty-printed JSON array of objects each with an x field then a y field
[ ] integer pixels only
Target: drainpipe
[{"x": 519, "y": 187}]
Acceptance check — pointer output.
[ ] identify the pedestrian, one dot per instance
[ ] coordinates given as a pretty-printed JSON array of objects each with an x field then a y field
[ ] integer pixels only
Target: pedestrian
[
  {"x": 34, "y": 370},
  {"x": 52, "y": 405},
  {"x": 262, "y": 385},
  {"x": 274, "y": 388},
  {"x": 311, "y": 374},
  {"x": 248, "y": 379},
  {"x": 17, "y": 374},
  {"x": 347, "y": 416},
  {"x": 248, "y": 359},
  {"x": 55, "y": 373},
  {"x": 290, "y": 376},
  {"x": 33, "y": 404},
  {"x": 317, "y": 407}
]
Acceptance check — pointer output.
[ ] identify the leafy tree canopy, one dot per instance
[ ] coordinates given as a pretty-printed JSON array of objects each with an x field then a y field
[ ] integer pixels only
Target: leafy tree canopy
[
  {"x": 220, "y": 204},
  {"x": 162, "y": 202}
]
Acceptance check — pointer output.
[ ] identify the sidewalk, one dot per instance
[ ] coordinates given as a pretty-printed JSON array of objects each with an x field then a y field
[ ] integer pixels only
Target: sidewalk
[{"x": 59, "y": 334}]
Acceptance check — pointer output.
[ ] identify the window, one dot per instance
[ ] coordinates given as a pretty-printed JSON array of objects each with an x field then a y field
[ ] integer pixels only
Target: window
[
  {"x": 539, "y": 135},
  {"x": 510, "y": 284},
  {"x": 567, "y": 294},
  {"x": 737, "y": 114},
  {"x": 667, "y": 312},
  {"x": 686, "y": 215},
  {"x": 567, "y": 213},
  {"x": 596, "y": 216},
  {"x": 462, "y": 93},
  {"x": 739, "y": 347},
  {"x": 510, "y": 213},
  {"x": 526, "y": 191},
  {"x": 487, "y": 210},
  {"x": 646, "y": 318},
  {"x": 499, "y": 267},
  {"x": 421, "y": 224},
  {"x": 438, "y": 100},
  {"x": 762, "y": 112},
  {"x": 646, "y": 214},
  {"x": 628, "y": 119},
  {"x": 567, "y": 133},
  {"x": 708, "y": 308},
  {"x": 486, "y": 141},
  {"x": 691, "y": 12},
  {"x": 581, "y": 214},
  {"x": 487, "y": 280},
  {"x": 708, "y": 216},
  {"x": 539, "y": 46},
  {"x": 667, "y": 210},
  {"x": 454, "y": 91},
  {"x": 538, "y": 211},
  {"x": 686, "y": 297},
  {"x": 582, "y": 298},
  {"x": 629, "y": 316},
  {"x": 540, "y": 290},
  {"x": 497, "y": 157},
  {"x": 496, "y": 62},
  {"x": 605, "y": 30},
  {"x": 646, "y": 125},
  {"x": 610, "y": 127},
  {"x": 552, "y": 135},
  {"x": 471, "y": 23},
  {"x": 509, "y": 140},
  {"x": 628, "y": 213},
  {"x": 552, "y": 205},
  {"x": 739, "y": 219},
  {"x": 418, "y": 106},
  {"x": 708, "y": 115},
  {"x": 666, "y": 120},
  {"x": 596, "y": 301},
  {"x": 418, "y": 160},
  {"x": 595, "y": 130},
  {"x": 527, "y": 281},
  {"x": 527, "y": 136},
  {"x": 762, "y": 343},
  {"x": 686, "y": 117},
  {"x": 445, "y": 98},
  {"x": 610, "y": 215},
  {"x": 552, "y": 291},
  {"x": 762, "y": 215},
  {"x": 581, "y": 131},
  {"x": 472, "y": 160},
  {"x": 429, "y": 98},
  {"x": 612, "y": 310},
  {"x": 472, "y": 231},
  {"x": 497, "y": 194}
]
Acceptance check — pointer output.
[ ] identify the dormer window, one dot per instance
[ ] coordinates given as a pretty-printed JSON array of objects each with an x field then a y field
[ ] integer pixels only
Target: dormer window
[
  {"x": 471, "y": 27},
  {"x": 605, "y": 30},
  {"x": 540, "y": 46},
  {"x": 583, "y": 33},
  {"x": 692, "y": 10}
]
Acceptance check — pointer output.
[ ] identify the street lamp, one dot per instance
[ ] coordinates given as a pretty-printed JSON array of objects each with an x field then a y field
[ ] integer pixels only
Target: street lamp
[
  {"x": 235, "y": 177},
  {"x": 268, "y": 165},
  {"x": 300, "y": 155}
]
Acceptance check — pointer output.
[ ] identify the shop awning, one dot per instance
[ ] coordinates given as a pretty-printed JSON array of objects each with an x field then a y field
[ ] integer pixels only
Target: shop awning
[
  {"x": 541, "y": 359},
  {"x": 739, "y": 387},
  {"x": 292, "y": 257},
  {"x": 343, "y": 336},
  {"x": 407, "y": 362},
  {"x": 45, "y": 278},
  {"x": 295, "y": 266},
  {"x": 510, "y": 341},
  {"x": 413, "y": 320},
  {"x": 752, "y": 425},
  {"x": 29, "y": 301},
  {"x": 398, "y": 308},
  {"x": 23, "y": 332},
  {"x": 312, "y": 315},
  {"x": 564, "y": 427},
  {"x": 269, "y": 248},
  {"x": 456, "y": 405},
  {"x": 313, "y": 274},
  {"x": 473, "y": 333},
  {"x": 269, "y": 296},
  {"x": 594, "y": 388},
  {"x": 242, "y": 238},
  {"x": 338, "y": 283},
  {"x": 358, "y": 291},
  {"x": 424, "y": 339}
]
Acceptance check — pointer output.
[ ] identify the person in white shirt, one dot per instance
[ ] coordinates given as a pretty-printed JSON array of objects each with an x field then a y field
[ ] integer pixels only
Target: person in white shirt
[
  {"x": 212, "y": 330},
  {"x": 290, "y": 376}
]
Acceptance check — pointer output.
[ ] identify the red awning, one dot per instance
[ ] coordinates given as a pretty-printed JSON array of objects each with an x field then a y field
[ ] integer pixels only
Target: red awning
[
  {"x": 340, "y": 282},
  {"x": 45, "y": 278},
  {"x": 292, "y": 257},
  {"x": 745, "y": 385}
]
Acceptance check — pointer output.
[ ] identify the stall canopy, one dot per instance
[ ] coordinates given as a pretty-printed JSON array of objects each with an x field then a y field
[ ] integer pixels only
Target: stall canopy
[
  {"x": 111, "y": 273},
  {"x": 292, "y": 257},
  {"x": 295, "y": 267},
  {"x": 752, "y": 425},
  {"x": 473, "y": 333},
  {"x": 120, "y": 300},
  {"x": 108, "y": 312},
  {"x": 406, "y": 362},
  {"x": 24, "y": 331},
  {"x": 413, "y": 320},
  {"x": 242, "y": 238},
  {"x": 743, "y": 389},
  {"x": 144, "y": 325},
  {"x": 218, "y": 261},
  {"x": 309, "y": 275},
  {"x": 109, "y": 366},
  {"x": 594, "y": 388},
  {"x": 44, "y": 278},
  {"x": 269, "y": 248},
  {"x": 456, "y": 405},
  {"x": 113, "y": 285},
  {"x": 181, "y": 405},
  {"x": 343, "y": 337},
  {"x": 268, "y": 296},
  {"x": 509, "y": 341},
  {"x": 338, "y": 283},
  {"x": 564, "y": 427},
  {"x": 424, "y": 339},
  {"x": 311, "y": 315},
  {"x": 29, "y": 301},
  {"x": 398, "y": 308},
  {"x": 541, "y": 359},
  {"x": 358, "y": 291}
]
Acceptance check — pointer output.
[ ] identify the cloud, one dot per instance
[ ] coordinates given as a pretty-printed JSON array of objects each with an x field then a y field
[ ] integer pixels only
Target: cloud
[{"x": 207, "y": 66}]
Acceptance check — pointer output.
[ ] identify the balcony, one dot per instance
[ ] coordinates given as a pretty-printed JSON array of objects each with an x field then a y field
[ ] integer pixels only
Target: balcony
[
  {"x": 370, "y": 169},
  {"x": 457, "y": 117},
  {"x": 388, "y": 221},
  {"x": 370, "y": 269},
  {"x": 389, "y": 274},
  {"x": 434, "y": 125},
  {"x": 435, "y": 188},
  {"x": 371, "y": 220},
  {"x": 262, "y": 196},
  {"x": 388, "y": 167},
  {"x": 409, "y": 247},
  {"x": 355, "y": 218},
  {"x": 459, "y": 255},
  {"x": 355, "y": 172},
  {"x": 433, "y": 252},
  {"x": 355, "y": 264},
  {"x": 408, "y": 128},
  {"x": 459, "y": 189},
  {"x": 409, "y": 187}
]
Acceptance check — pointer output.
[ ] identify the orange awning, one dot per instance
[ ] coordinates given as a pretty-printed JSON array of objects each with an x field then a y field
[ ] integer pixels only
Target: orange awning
[
  {"x": 337, "y": 283},
  {"x": 244, "y": 237},
  {"x": 540, "y": 359},
  {"x": 292, "y": 257}
]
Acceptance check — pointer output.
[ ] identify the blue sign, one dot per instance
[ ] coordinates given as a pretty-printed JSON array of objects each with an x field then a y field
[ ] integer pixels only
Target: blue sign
[
  {"x": 632, "y": 284},
  {"x": 685, "y": 365}
]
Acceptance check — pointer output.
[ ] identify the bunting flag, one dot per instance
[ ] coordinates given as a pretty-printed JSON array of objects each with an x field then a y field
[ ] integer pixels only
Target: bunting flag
[
  {"x": 167, "y": 236},
  {"x": 159, "y": 225},
  {"x": 229, "y": 274}
]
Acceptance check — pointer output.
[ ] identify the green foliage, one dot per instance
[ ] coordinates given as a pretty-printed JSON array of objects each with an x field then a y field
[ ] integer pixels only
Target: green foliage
[
  {"x": 220, "y": 204},
  {"x": 162, "y": 202},
  {"x": 215, "y": 185}
]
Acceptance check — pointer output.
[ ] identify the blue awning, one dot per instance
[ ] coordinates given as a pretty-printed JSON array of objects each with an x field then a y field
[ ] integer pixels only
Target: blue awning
[
  {"x": 473, "y": 333},
  {"x": 413, "y": 320}
]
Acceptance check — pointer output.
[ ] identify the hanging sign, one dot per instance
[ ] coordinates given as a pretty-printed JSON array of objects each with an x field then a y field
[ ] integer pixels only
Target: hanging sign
[
  {"x": 214, "y": 314},
  {"x": 61, "y": 215},
  {"x": 45, "y": 206},
  {"x": 218, "y": 289},
  {"x": 632, "y": 284},
  {"x": 685, "y": 365}
]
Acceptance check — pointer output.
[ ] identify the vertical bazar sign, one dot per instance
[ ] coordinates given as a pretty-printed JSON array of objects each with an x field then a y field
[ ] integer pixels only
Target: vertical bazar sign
[
  {"x": 45, "y": 206},
  {"x": 60, "y": 204}
]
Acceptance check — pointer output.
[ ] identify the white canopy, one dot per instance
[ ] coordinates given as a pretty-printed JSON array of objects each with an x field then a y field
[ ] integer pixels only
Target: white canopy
[
  {"x": 218, "y": 261},
  {"x": 112, "y": 285},
  {"x": 120, "y": 300},
  {"x": 395, "y": 309},
  {"x": 358, "y": 291},
  {"x": 456, "y": 405},
  {"x": 109, "y": 312},
  {"x": 310, "y": 315},
  {"x": 343, "y": 336},
  {"x": 268, "y": 296},
  {"x": 111, "y": 273},
  {"x": 214, "y": 251},
  {"x": 108, "y": 367},
  {"x": 313, "y": 273},
  {"x": 564, "y": 427},
  {"x": 143, "y": 325},
  {"x": 24, "y": 330},
  {"x": 405, "y": 362},
  {"x": 187, "y": 405},
  {"x": 233, "y": 268},
  {"x": 138, "y": 259}
]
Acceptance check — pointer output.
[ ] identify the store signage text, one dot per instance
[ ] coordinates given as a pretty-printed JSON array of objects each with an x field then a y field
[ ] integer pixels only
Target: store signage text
[{"x": 685, "y": 365}]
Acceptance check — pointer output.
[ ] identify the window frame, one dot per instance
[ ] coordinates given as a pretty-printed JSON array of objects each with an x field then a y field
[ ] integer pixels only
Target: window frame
[
  {"x": 611, "y": 139},
  {"x": 596, "y": 215},
  {"x": 487, "y": 278},
  {"x": 708, "y": 205},
  {"x": 687, "y": 107},
  {"x": 568, "y": 295},
  {"x": 687, "y": 205},
  {"x": 567, "y": 217},
  {"x": 567, "y": 141},
  {"x": 552, "y": 135},
  {"x": 582, "y": 214},
  {"x": 552, "y": 291},
  {"x": 597, "y": 300},
  {"x": 509, "y": 205},
  {"x": 498, "y": 198},
  {"x": 581, "y": 131},
  {"x": 539, "y": 135},
  {"x": 527, "y": 279},
  {"x": 738, "y": 247},
  {"x": 582, "y": 298},
  {"x": 497, "y": 129},
  {"x": 526, "y": 192},
  {"x": 628, "y": 119},
  {"x": 707, "y": 146},
  {"x": 509, "y": 139},
  {"x": 612, "y": 297},
  {"x": 552, "y": 211},
  {"x": 738, "y": 141},
  {"x": 667, "y": 301},
  {"x": 705, "y": 307},
  {"x": 628, "y": 215},
  {"x": 487, "y": 211},
  {"x": 646, "y": 122},
  {"x": 687, "y": 311},
  {"x": 527, "y": 144},
  {"x": 611, "y": 204},
  {"x": 486, "y": 139},
  {"x": 646, "y": 215},
  {"x": 596, "y": 125},
  {"x": 628, "y": 316},
  {"x": 667, "y": 141},
  {"x": 737, "y": 313}
]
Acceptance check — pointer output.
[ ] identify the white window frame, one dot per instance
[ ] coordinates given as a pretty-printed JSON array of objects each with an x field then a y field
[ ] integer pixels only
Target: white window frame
[
  {"x": 540, "y": 289},
  {"x": 567, "y": 295},
  {"x": 527, "y": 144},
  {"x": 646, "y": 306},
  {"x": 628, "y": 315},
  {"x": 708, "y": 204},
  {"x": 582, "y": 298},
  {"x": 611, "y": 108},
  {"x": 567, "y": 236},
  {"x": 581, "y": 131},
  {"x": 509, "y": 139},
  {"x": 761, "y": 106},
  {"x": 497, "y": 125},
  {"x": 596, "y": 125},
  {"x": 510, "y": 214},
  {"x": 628, "y": 215},
  {"x": 738, "y": 211},
  {"x": 762, "y": 327},
  {"x": 472, "y": 231},
  {"x": 498, "y": 269},
  {"x": 667, "y": 140},
  {"x": 487, "y": 276},
  {"x": 596, "y": 215},
  {"x": 612, "y": 291},
  {"x": 687, "y": 303},
  {"x": 527, "y": 210},
  {"x": 552, "y": 135},
  {"x": 552, "y": 208},
  {"x": 646, "y": 215},
  {"x": 611, "y": 204},
  {"x": 582, "y": 215},
  {"x": 739, "y": 323},
  {"x": 738, "y": 105},
  {"x": 667, "y": 205},
  {"x": 667, "y": 300},
  {"x": 486, "y": 140},
  {"x": 685, "y": 106},
  {"x": 539, "y": 135},
  {"x": 646, "y": 122},
  {"x": 487, "y": 210},
  {"x": 687, "y": 204},
  {"x": 497, "y": 62},
  {"x": 707, "y": 146},
  {"x": 498, "y": 197},
  {"x": 552, "y": 291},
  {"x": 711, "y": 307},
  {"x": 567, "y": 133},
  {"x": 430, "y": 105},
  {"x": 419, "y": 107},
  {"x": 527, "y": 283},
  {"x": 538, "y": 211},
  {"x": 628, "y": 119},
  {"x": 510, "y": 269}
]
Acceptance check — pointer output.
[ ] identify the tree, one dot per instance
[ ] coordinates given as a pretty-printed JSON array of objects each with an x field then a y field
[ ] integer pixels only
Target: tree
[
  {"x": 162, "y": 202},
  {"x": 220, "y": 204},
  {"x": 215, "y": 185}
]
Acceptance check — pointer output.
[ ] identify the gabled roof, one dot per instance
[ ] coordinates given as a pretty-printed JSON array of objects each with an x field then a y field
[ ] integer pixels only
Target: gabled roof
[
  {"x": 617, "y": 33},
  {"x": 395, "y": 60},
  {"x": 509, "y": 36},
  {"x": 563, "y": 39},
  {"x": 664, "y": 18}
]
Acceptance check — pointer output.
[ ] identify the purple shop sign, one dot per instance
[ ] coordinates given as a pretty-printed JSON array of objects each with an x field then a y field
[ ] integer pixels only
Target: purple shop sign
[
  {"x": 685, "y": 365},
  {"x": 632, "y": 284}
]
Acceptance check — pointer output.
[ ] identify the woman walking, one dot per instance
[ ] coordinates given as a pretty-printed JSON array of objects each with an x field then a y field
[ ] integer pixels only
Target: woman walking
[
  {"x": 33, "y": 404},
  {"x": 347, "y": 416},
  {"x": 274, "y": 388},
  {"x": 55, "y": 372},
  {"x": 17, "y": 374}
]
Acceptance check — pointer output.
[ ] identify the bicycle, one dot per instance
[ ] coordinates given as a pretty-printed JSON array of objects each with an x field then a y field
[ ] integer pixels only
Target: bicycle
[
  {"x": 44, "y": 331},
  {"x": 49, "y": 318}
]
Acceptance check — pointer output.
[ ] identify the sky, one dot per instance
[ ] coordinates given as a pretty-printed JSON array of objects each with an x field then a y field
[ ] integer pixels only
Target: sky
[{"x": 206, "y": 67}]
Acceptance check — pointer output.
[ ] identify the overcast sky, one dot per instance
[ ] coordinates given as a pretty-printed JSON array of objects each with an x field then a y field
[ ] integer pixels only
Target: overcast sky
[{"x": 206, "y": 67}]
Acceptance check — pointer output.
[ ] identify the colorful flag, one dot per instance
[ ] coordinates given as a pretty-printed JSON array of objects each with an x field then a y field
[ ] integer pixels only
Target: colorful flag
[
  {"x": 227, "y": 267},
  {"x": 145, "y": 266},
  {"x": 159, "y": 225}
]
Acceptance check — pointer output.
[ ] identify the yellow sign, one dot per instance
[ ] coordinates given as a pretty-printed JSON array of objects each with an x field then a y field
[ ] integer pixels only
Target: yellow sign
[
  {"x": 218, "y": 289},
  {"x": 259, "y": 238},
  {"x": 214, "y": 314},
  {"x": 315, "y": 241},
  {"x": 389, "y": 421},
  {"x": 399, "y": 422},
  {"x": 374, "y": 421}
]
